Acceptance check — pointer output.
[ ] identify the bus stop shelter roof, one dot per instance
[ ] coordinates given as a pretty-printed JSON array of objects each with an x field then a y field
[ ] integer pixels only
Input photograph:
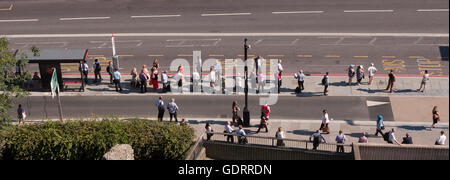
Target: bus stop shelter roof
[{"x": 56, "y": 55}]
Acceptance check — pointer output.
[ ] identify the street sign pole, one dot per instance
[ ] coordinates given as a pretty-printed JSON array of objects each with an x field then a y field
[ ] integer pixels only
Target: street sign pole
[
  {"x": 246, "y": 111},
  {"x": 114, "y": 56}
]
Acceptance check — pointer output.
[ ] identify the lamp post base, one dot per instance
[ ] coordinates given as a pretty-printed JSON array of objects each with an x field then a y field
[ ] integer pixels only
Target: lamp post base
[{"x": 246, "y": 117}]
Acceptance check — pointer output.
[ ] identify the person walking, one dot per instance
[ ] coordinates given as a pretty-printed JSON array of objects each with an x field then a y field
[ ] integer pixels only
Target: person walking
[
  {"x": 20, "y": 115},
  {"x": 173, "y": 110},
  {"x": 436, "y": 117},
  {"x": 372, "y": 70},
  {"x": 209, "y": 131},
  {"x": 143, "y": 81},
  {"x": 301, "y": 80},
  {"x": 110, "y": 71},
  {"x": 263, "y": 124},
  {"x": 258, "y": 65},
  {"x": 380, "y": 125},
  {"x": 359, "y": 74},
  {"x": 229, "y": 130},
  {"x": 392, "y": 138},
  {"x": 317, "y": 138},
  {"x": 325, "y": 83},
  {"x": 84, "y": 71},
  {"x": 363, "y": 138},
  {"x": 97, "y": 70},
  {"x": 407, "y": 139},
  {"x": 235, "y": 111},
  {"x": 212, "y": 79},
  {"x": 165, "y": 81},
  {"x": 116, "y": 78},
  {"x": 280, "y": 135},
  {"x": 391, "y": 81},
  {"x": 441, "y": 139},
  {"x": 325, "y": 120},
  {"x": 161, "y": 109},
  {"x": 241, "y": 138},
  {"x": 340, "y": 139},
  {"x": 351, "y": 74},
  {"x": 265, "y": 111},
  {"x": 425, "y": 79},
  {"x": 134, "y": 78}
]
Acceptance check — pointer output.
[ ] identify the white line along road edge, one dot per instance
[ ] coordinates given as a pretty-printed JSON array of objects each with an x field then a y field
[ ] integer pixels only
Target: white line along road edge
[
  {"x": 19, "y": 20},
  {"x": 227, "y": 35},
  {"x": 83, "y": 18},
  {"x": 227, "y": 14},
  {"x": 298, "y": 12},
  {"x": 432, "y": 10},
  {"x": 368, "y": 11},
  {"x": 156, "y": 16}
]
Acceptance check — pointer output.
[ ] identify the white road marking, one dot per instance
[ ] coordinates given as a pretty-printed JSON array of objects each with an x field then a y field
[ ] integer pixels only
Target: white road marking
[
  {"x": 229, "y": 35},
  {"x": 228, "y": 14},
  {"x": 368, "y": 11},
  {"x": 19, "y": 20},
  {"x": 83, "y": 18},
  {"x": 432, "y": 10},
  {"x": 156, "y": 16},
  {"x": 298, "y": 12},
  {"x": 376, "y": 103}
]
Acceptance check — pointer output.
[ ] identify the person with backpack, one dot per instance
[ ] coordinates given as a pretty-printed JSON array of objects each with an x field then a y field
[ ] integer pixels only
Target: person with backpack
[
  {"x": 161, "y": 109},
  {"x": 317, "y": 138},
  {"x": 340, "y": 139},
  {"x": 380, "y": 125},
  {"x": 325, "y": 83},
  {"x": 351, "y": 74},
  {"x": 143, "y": 81},
  {"x": 97, "y": 70},
  {"x": 391, "y": 81},
  {"x": 301, "y": 80}
]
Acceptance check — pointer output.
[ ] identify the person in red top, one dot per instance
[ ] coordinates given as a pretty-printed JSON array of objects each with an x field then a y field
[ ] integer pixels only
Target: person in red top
[{"x": 265, "y": 111}]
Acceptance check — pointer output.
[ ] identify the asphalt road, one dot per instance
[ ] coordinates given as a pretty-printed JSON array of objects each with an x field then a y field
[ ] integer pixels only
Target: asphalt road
[{"x": 291, "y": 108}]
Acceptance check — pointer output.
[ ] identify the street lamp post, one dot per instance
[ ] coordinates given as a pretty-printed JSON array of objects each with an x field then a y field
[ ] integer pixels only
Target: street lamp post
[{"x": 246, "y": 111}]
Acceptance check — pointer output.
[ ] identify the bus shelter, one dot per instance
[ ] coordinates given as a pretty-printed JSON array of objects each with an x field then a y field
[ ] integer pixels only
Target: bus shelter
[{"x": 49, "y": 59}]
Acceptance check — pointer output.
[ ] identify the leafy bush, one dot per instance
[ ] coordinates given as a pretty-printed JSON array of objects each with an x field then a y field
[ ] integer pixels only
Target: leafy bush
[{"x": 90, "y": 140}]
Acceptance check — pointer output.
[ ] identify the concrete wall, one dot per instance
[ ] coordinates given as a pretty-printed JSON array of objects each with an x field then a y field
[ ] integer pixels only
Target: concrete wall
[{"x": 395, "y": 152}]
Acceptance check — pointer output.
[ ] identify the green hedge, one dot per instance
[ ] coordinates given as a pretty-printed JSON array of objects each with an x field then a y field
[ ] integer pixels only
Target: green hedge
[{"x": 90, "y": 140}]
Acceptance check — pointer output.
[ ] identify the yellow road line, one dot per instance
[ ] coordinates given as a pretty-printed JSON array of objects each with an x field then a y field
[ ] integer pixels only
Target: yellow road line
[
  {"x": 216, "y": 55},
  {"x": 249, "y": 55},
  {"x": 7, "y": 9},
  {"x": 156, "y": 55},
  {"x": 416, "y": 57},
  {"x": 183, "y": 55},
  {"x": 388, "y": 56},
  {"x": 332, "y": 56},
  {"x": 306, "y": 55},
  {"x": 96, "y": 55},
  {"x": 361, "y": 56},
  {"x": 429, "y": 69},
  {"x": 125, "y": 55},
  {"x": 275, "y": 55}
]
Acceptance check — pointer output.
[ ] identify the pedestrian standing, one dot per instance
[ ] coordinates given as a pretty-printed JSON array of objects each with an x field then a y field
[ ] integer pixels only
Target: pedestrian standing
[
  {"x": 279, "y": 80},
  {"x": 391, "y": 81},
  {"x": 359, "y": 74},
  {"x": 143, "y": 78},
  {"x": 179, "y": 77},
  {"x": 110, "y": 70},
  {"x": 212, "y": 79},
  {"x": 301, "y": 80},
  {"x": 372, "y": 70},
  {"x": 235, "y": 111},
  {"x": 241, "y": 135},
  {"x": 165, "y": 81},
  {"x": 209, "y": 131},
  {"x": 116, "y": 79},
  {"x": 392, "y": 138},
  {"x": 363, "y": 138},
  {"x": 325, "y": 121},
  {"x": 173, "y": 110},
  {"x": 441, "y": 139},
  {"x": 325, "y": 83},
  {"x": 134, "y": 78},
  {"x": 280, "y": 68},
  {"x": 351, "y": 74},
  {"x": 258, "y": 64},
  {"x": 85, "y": 71},
  {"x": 97, "y": 70},
  {"x": 317, "y": 138},
  {"x": 261, "y": 83},
  {"x": 280, "y": 135},
  {"x": 196, "y": 81},
  {"x": 156, "y": 64},
  {"x": 218, "y": 71},
  {"x": 229, "y": 130},
  {"x": 436, "y": 117},
  {"x": 154, "y": 78},
  {"x": 20, "y": 115},
  {"x": 340, "y": 139},
  {"x": 407, "y": 139},
  {"x": 425, "y": 79},
  {"x": 380, "y": 125},
  {"x": 161, "y": 109},
  {"x": 263, "y": 124}
]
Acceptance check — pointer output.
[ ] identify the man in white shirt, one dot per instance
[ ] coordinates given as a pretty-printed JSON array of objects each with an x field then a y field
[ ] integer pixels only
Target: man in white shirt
[
  {"x": 229, "y": 129},
  {"x": 280, "y": 136},
  {"x": 301, "y": 79},
  {"x": 196, "y": 81},
  {"x": 212, "y": 79},
  {"x": 325, "y": 121},
  {"x": 392, "y": 138},
  {"x": 84, "y": 67},
  {"x": 441, "y": 140},
  {"x": 372, "y": 70},
  {"x": 164, "y": 79}
]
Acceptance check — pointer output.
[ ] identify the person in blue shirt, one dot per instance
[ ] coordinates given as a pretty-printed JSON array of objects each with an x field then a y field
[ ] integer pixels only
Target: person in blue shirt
[
  {"x": 116, "y": 80},
  {"x": 380, "y": 125},
  {"x": 97, "y": 69}
]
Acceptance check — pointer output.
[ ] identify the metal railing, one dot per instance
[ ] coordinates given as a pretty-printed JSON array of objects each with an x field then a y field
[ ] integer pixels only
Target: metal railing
[{"x": 274, "y": 142}]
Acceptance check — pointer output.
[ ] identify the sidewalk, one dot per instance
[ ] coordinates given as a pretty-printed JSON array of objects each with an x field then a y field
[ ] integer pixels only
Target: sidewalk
[
  {"x": 303, "y": 129},
  {"x": 405, "y": 86}
]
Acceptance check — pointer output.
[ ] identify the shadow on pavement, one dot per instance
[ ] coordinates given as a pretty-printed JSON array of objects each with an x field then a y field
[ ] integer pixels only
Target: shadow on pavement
[
  {"x": 309, "y": 94},
  {"x": 342, "y": 83},
  {"x": 412, "y": 128},
  {"x": 371, "y": 90},
  {"x": 301, "y": 132}
]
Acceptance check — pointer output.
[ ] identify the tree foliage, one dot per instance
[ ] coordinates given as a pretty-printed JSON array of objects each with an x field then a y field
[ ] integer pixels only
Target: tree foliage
[{"x": 12, "y": 78}]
